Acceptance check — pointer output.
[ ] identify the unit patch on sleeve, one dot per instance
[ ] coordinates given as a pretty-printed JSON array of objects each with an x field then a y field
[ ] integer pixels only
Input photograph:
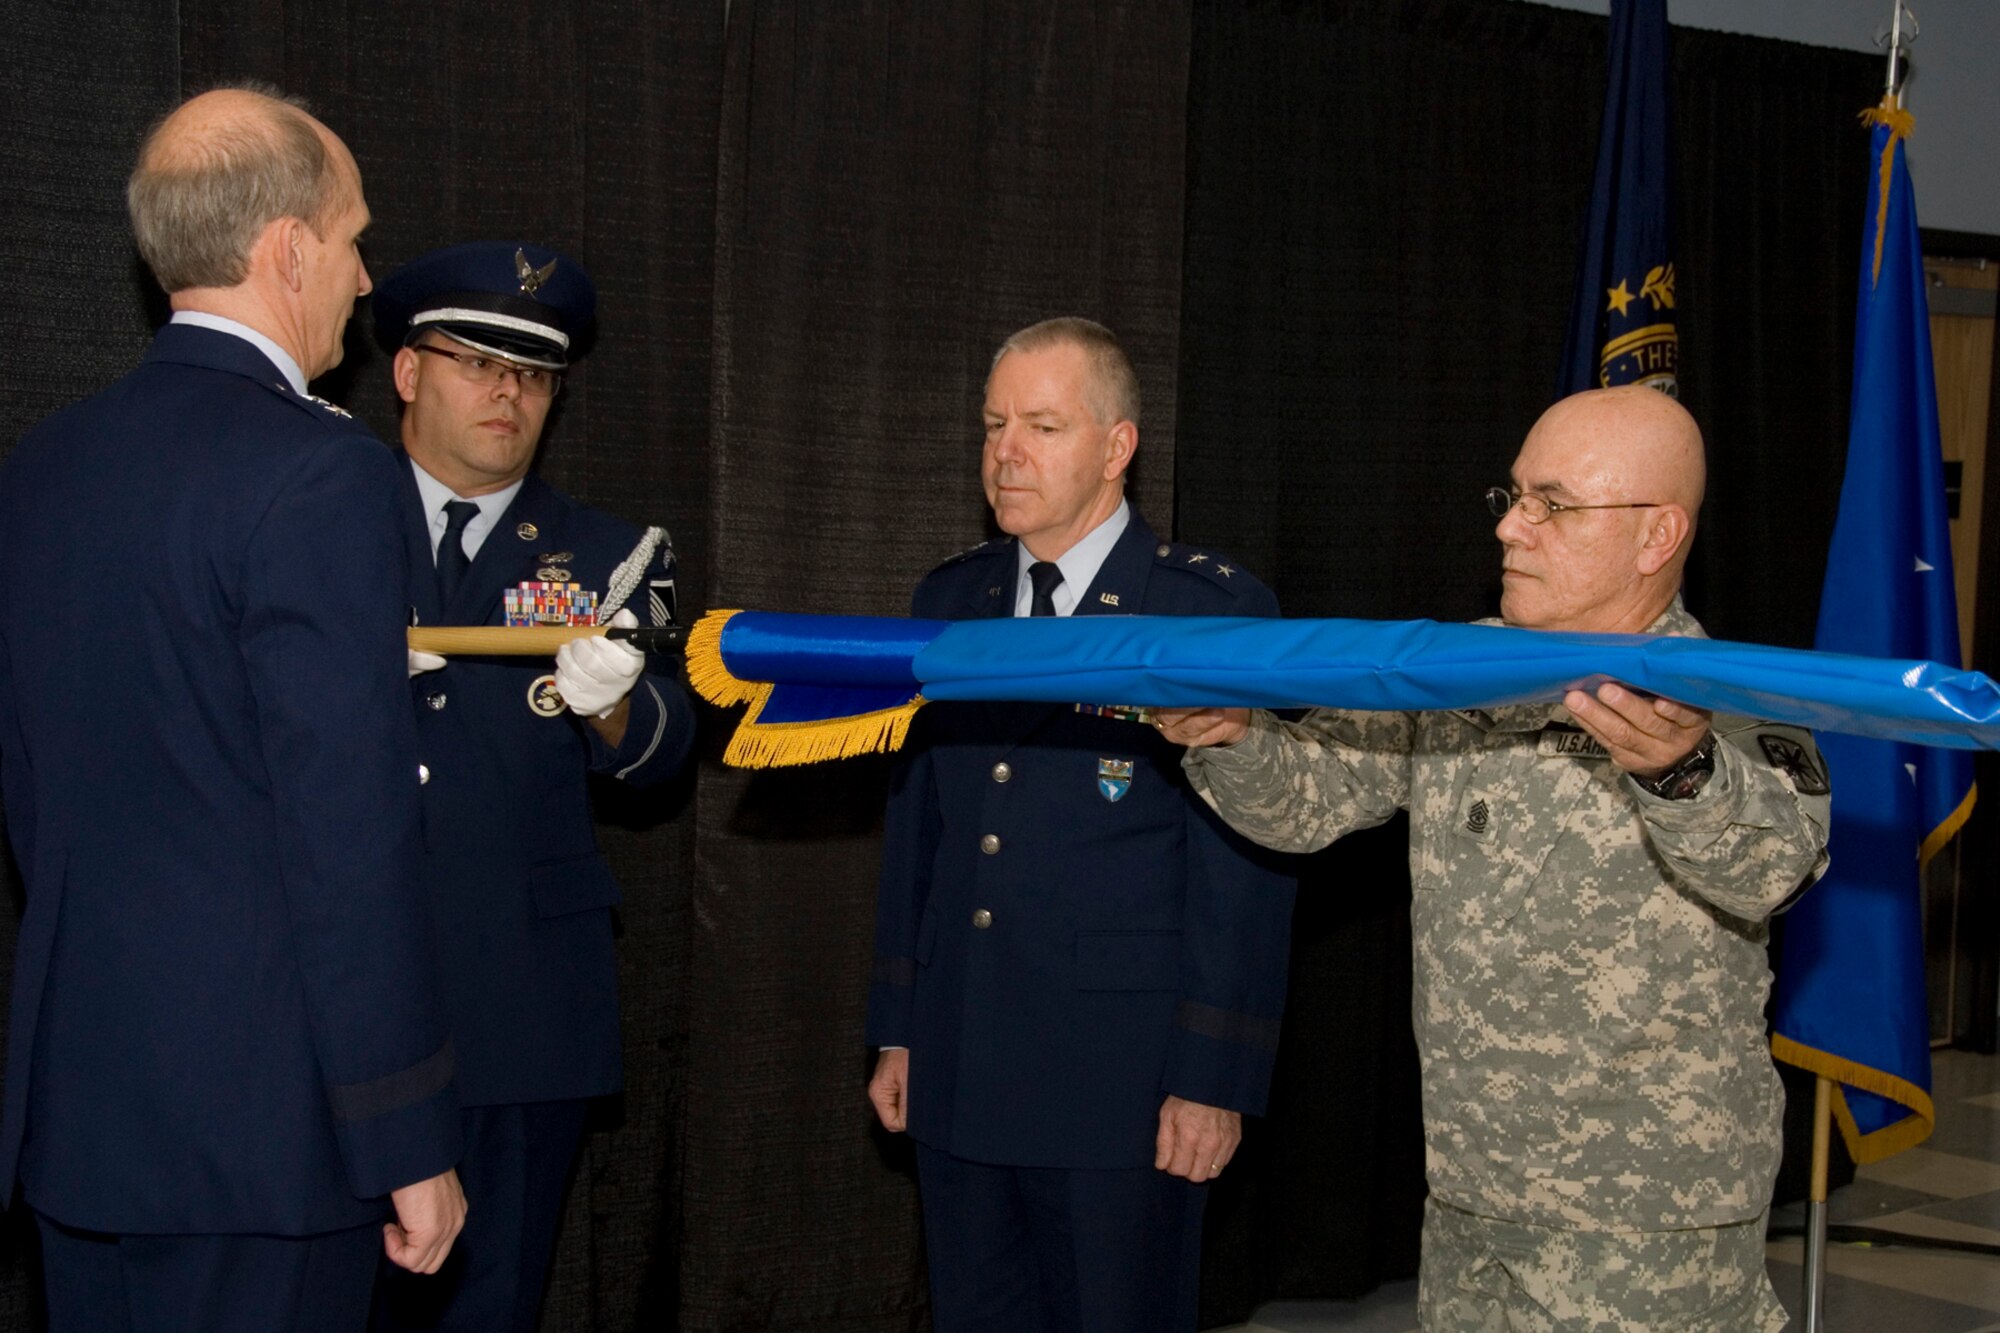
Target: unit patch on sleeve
[{"x": 1792, "y": 758}]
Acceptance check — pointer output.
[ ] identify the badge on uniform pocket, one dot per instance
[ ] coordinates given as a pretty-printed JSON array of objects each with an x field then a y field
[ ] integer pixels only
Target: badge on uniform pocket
[
  {"x": 1477, "y": 813},
  {"x": 1114, "y": 778},
  {"x": 543, "y": 698}
]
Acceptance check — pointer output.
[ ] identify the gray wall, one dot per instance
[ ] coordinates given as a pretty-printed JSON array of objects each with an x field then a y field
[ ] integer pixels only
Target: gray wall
[{"x": 1953, "y": 88}]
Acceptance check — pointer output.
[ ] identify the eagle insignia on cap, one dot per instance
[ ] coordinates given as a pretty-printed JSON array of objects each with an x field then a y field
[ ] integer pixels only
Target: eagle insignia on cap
[{"x": 531, "y": 277}]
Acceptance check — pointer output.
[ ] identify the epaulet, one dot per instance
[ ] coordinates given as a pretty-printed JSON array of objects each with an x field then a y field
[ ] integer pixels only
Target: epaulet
[
  {"x": 1217, "y": 569},
  {"x": 316, "y": 407},
  {"x": 984, "y": 548}
]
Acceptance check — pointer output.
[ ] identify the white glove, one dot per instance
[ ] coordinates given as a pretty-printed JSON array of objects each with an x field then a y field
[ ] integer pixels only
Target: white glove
[
  {"x": 593, "y": 674},
  {"x": 421, "y": 662}
]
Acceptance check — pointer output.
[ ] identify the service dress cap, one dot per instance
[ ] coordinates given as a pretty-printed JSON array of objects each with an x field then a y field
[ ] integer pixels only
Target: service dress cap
[{"x": 522, "y": 302}]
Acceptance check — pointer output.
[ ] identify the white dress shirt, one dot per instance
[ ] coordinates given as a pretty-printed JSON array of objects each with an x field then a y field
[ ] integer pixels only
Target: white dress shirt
[{"x": 1079, "y": 565}]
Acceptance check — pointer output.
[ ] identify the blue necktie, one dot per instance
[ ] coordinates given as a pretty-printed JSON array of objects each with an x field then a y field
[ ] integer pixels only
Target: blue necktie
[
  {"x": 1046, "y": 578},
  {"x": 452, "y": 561}
]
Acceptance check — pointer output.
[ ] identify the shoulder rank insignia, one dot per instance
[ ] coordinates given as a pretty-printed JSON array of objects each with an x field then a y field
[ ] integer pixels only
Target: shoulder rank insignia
[
  {"x": 968, "y": 552},
  {"x": 1114, "y": 778},
  {"x": 1196, "y": 557},
  {"x": 334, "y": 408}
]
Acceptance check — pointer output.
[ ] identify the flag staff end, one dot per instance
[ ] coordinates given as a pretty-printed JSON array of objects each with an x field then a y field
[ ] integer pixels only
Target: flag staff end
[{"x": 1901, "y": 33}]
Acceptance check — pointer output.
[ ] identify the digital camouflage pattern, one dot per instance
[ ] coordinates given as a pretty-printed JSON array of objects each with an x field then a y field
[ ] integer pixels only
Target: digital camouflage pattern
[
  {"x": 1486, "y": 1276},
  {"x": 1590, "y": 967}
]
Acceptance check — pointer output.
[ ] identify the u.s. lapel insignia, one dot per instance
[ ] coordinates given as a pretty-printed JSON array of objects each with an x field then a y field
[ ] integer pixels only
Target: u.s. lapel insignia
[
  {"x": 1114, "y": 778},
  {"x": 543, "y": 699},
  {"x": 1108, "y": 598},
  {"x": 527, "y": 532}
]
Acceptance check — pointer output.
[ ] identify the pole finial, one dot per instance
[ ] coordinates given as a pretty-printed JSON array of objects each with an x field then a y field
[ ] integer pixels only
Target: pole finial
[{"x": 1897, "y": 38}]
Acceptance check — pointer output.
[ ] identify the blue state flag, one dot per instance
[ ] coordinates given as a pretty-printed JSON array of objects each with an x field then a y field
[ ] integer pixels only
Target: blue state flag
[
  {"x": 1851, "y": 1002},
  {"x": 1621, "y": 328}
]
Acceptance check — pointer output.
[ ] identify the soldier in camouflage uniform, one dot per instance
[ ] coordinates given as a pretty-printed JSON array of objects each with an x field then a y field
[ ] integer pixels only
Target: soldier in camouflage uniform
[{"x": 1591, "y": 883}]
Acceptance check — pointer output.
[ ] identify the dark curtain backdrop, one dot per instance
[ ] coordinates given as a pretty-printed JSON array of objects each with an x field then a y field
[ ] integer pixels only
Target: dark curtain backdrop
[
  {"x": 901, "y": 185},
  {"x": 1338, "y": 239}
]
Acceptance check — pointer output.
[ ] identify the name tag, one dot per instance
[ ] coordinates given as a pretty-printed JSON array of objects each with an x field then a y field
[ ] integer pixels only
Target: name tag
[{"x": 1569, "y": 743}]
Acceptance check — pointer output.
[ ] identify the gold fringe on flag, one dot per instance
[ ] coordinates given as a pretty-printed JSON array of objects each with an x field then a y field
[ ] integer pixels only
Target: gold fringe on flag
[
  {"x": 1948, "y": 829},
  {"x": 1890, "y": 1139},
  {"x": 759, "y": 744},
  {"x": 1901, "y": 123}
]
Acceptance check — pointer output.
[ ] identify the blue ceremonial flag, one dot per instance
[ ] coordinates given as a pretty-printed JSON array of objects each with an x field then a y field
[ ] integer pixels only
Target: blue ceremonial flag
[
  {"x": 825, "y": 687},
  {"x": 1621, "y": 329},
  {"x": 1851, "y": 1003}
]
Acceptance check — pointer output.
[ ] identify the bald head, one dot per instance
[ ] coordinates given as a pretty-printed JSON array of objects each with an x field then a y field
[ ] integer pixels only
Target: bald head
[
  {"x": 1637, "y": 436},
  {"x": 1623, "y": 470},
  {"x": 219, "y": 169}
]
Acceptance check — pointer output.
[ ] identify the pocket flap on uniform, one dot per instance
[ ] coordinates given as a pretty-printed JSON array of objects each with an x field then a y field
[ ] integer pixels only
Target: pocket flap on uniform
[
  {"x": 576, "y": 885},
  {"x": 1128, "y": 960}
]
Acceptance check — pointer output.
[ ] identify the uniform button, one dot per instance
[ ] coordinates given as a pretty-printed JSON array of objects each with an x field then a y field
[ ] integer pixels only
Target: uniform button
[
  {"x": 981, "y": 919},
  {"x": 1002, "y": 771},
  {"x": 423, "y": 774},
  {"x": 436, "y": 702},
  {"x": 990, "y": 843}
]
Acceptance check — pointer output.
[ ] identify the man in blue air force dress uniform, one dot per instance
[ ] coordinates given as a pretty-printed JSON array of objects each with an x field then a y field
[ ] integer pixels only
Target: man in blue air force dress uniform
[
  {"x": 481, "y": 334},
  {"x": 227, "y": 1041},
  {"x": 1079, "y": 971}
]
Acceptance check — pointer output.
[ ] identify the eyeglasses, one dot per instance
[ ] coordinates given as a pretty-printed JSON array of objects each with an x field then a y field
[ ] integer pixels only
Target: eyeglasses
[
  {"x": 1537, "y": 509},
  {"x": 487, "y": 371}
]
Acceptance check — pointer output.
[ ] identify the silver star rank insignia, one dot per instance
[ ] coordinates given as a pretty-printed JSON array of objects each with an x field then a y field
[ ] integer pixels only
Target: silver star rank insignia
[{"x": 1224, "y": 570}]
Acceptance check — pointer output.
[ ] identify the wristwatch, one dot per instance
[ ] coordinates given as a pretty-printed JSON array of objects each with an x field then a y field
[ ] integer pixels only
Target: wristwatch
[{"x": 1684, "y": 781}]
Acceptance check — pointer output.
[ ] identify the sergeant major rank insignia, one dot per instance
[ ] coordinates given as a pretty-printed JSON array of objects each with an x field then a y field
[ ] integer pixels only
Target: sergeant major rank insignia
[
  {"x": 1475, "y": 813},
  {"x": 1114, "y": 778}
]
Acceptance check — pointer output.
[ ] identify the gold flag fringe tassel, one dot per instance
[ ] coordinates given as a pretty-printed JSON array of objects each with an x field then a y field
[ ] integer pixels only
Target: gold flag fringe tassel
[
  {"x": 1901, "y": 124},
  {"x": 1890, "y": 1139},
  {"x": 707, "y": 673},
  {"x": 758, "y": 744}
]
